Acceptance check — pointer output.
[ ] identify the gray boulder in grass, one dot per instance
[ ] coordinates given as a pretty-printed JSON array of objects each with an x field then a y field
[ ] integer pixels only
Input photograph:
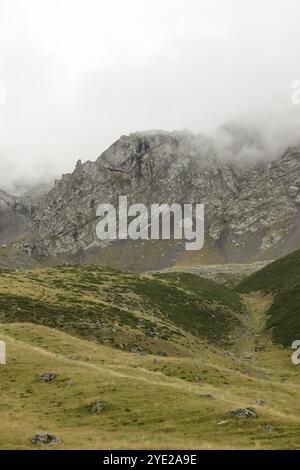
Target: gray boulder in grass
[
  {"x": 47, "y": 377},
  {"x": 247, "y": 413},
  {"x": 97, "y": 407},
  {"x": 45, "y": 438}
]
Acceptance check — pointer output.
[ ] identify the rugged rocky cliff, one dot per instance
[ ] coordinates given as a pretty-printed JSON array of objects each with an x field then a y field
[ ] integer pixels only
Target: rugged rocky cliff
[
  {"x": 251, "y": 209},
  {"x": 15, "y": 216}
]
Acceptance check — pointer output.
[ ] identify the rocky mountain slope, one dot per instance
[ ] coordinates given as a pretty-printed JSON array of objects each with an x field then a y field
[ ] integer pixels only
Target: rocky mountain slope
[
  {"x": 252, "y": 208},
  {"x": 15, "y": 217}
]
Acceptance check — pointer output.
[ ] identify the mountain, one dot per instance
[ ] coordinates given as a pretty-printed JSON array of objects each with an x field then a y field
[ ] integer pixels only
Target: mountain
[
  {"x": 131, "y": 353},
  {"x": 251, "y": 207},
  {"x": 281, "y": 280}
]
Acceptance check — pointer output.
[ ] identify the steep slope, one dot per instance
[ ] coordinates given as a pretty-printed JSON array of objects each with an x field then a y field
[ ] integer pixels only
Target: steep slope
[
  {"x": 15, "y": 232},
  {"x": 163, "y": 313},
  {"x": 264, "y": 218},
  {"x": 282, "y": 280},
  {"x": 14, "y": 217}
]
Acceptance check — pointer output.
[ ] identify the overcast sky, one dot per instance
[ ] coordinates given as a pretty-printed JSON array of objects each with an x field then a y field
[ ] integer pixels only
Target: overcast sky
[{"x": 77, "y": 74}]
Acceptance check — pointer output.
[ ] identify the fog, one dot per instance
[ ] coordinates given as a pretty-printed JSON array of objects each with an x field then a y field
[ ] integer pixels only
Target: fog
[{"x": 75, "y": 75}]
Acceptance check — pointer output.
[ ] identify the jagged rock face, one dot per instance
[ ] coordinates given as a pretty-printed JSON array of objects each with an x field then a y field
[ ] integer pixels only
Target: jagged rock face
[
  {"x": 248, "y": 211},
  {"x": 148, "y": 168},
  {"x": 14, "y": 217},
  {"x": 266, "y": 211}
]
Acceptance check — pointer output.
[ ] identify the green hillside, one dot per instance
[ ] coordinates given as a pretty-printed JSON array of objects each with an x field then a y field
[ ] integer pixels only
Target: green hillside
[
  {"x": 169, "y": 357},
  {"x": 163, "y": 313},
  {"x": 282, "y": 280}
]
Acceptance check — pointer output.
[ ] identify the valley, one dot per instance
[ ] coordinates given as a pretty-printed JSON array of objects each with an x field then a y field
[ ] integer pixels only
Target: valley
[{"x": 170, "y": 357}]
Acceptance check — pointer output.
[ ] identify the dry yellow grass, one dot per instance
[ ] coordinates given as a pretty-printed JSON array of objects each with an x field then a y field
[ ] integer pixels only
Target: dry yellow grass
[{"x": 151, "y": 402}]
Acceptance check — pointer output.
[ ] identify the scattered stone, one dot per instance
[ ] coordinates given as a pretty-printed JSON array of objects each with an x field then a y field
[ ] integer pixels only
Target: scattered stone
[
  {"x": 151, "y": 333},
  {"x": 197, "y": 379},
  {"x": 247, "y": 413},
  {"x": 47, "y": 377},
  {"x": 69, "y": 382},
  {"x": 97, "y": 407},
  {"x": 45, "y": 438},
  {"x": 284, "y": 378},
  {"x": 221, "y": 423},
  {"x": 268, "y": 428},
  {"x": 293, "y": 191},
  {"x": 259, "y": 402},
  {"x": 260, "y": 348},
  {"x": 136, "y": 349}
]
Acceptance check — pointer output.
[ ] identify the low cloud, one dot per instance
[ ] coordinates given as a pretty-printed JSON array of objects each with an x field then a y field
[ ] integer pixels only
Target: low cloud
[{"x": 78, "y": 76}]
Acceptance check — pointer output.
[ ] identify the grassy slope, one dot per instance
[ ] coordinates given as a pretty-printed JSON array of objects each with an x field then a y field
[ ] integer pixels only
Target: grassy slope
[
  {"x": 150, "y": 402},
  {"x": 159, "y": 313},
  {"x": 282, "y": 278},
  {"x": 179, "y": 401}
]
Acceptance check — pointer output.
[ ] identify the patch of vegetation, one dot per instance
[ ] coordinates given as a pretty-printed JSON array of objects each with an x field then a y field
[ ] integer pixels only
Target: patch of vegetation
[
  {"x": 124, "y": 309},
  {"x": 198, "y": 305},
  {"x": 281, "y": 278}
]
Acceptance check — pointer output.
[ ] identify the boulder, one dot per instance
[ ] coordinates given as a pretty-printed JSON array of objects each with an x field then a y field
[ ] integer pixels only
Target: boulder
[
  {"x": 45, "y": 438},
  {"x": 293, "y": 191},
  {"x": 259, "y": 402},
  {"x": 47, "y": 377},
  {"x": 247, "y": 413},
  {"x": 268, "y": 428},
  {"x": 97, "y": 407}
]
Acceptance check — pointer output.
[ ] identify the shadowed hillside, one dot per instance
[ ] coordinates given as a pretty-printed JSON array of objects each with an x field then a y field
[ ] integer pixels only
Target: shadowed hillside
[{"x": 282, "y": 279}]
